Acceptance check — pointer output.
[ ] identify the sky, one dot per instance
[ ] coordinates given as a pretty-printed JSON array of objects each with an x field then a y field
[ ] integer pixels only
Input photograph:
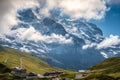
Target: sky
[
  {"x": 104, "y": 13},
  {"x": 110, "y": 24}
]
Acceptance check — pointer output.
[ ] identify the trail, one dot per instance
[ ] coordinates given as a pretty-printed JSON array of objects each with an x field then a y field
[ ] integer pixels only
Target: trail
[
  {"x": 21, "y": 63},
  {"x": 6, "y": 60}
]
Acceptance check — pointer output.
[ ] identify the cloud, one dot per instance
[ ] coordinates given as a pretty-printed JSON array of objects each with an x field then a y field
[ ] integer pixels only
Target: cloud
[
  {"x": 108, "y": 42},
  {"x": 8, "y": 12},
  {"x": 90, "y": 45},
  {"x": 54, "y": 38},
  {"x": 104, "y": 54},
  {"x": 33, "y": 35},
  {"x": 85, "y": 9}
]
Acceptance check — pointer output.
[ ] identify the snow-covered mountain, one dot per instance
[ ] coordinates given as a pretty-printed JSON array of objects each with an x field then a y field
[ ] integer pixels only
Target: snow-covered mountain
[{"x": 59, "y": 40}]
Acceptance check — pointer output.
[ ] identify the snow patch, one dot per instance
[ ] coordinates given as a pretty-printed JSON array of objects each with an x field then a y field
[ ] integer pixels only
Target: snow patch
[{"x": 104, "y": 54}]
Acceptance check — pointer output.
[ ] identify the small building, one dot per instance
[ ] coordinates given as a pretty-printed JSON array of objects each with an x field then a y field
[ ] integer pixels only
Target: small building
[
  {"x": 81, "y": 70},
  {"x": 32, "y": 75},
  {"x": 86, "y": 71},
  {"x": 78, "y": 76},
  {"x": 53, "y": 74},
  {"x": 55, "y": 78},
  {"x": 19, "y": 72}
]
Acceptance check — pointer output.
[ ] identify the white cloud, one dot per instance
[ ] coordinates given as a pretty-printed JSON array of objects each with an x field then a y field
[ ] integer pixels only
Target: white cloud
[
  {"x": 108, "y": 42},
  {"x": 111, "y": 41},
  {"x": 58, "y": 39},
  {"x": 8, "y": 12},
  {"x": 30, "y": 34},
  {"x": 87, "y": 9},
  {"x": 33, "y": 35},
  {"x": 90, "y": 45},
  {"x": 104, "y": 54}
]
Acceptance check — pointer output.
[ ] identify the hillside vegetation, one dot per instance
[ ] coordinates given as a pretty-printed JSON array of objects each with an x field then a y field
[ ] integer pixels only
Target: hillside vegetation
[
  {"x": 110, "y": 65},
  {"x": 109, "y": 69},
  {"x": 10, "y": 58}
]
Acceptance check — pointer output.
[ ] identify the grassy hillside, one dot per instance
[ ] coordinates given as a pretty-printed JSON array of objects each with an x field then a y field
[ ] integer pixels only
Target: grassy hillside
[
  {"x": 110, "y": 65},
  {"x": 109, "y": 69},
  {"x": 10, "y": 58}
]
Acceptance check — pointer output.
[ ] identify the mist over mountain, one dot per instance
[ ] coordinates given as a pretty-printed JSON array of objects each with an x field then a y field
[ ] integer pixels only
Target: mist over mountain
[{"x": 62, "y": 42}]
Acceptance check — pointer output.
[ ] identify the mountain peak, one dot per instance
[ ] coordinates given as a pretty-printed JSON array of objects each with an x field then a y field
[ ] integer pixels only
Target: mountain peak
[
  {"x": 54, "y": 27},
  {"x": 59, "y": 41}
]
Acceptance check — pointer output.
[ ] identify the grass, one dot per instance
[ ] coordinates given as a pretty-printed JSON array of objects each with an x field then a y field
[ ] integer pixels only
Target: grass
[
  {"x": 11, "y": 58},
  {"x": 110, "y": 65},
  {"x": 97, "y": 77},
  {"x": 115, "y": 75},
  {"x": 70, "y": 75},
  {"x": 109, "y": 69},
  {"x": 4, "y": 69}
]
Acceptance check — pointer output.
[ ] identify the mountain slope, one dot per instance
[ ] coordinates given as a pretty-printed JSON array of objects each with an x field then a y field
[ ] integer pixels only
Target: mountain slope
[
  {"x": 10, "y": 58},
  {"x": 108, "y": 69},
  {"x": 110, "y": 65},
  {"x": 58, "y": 40}
]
